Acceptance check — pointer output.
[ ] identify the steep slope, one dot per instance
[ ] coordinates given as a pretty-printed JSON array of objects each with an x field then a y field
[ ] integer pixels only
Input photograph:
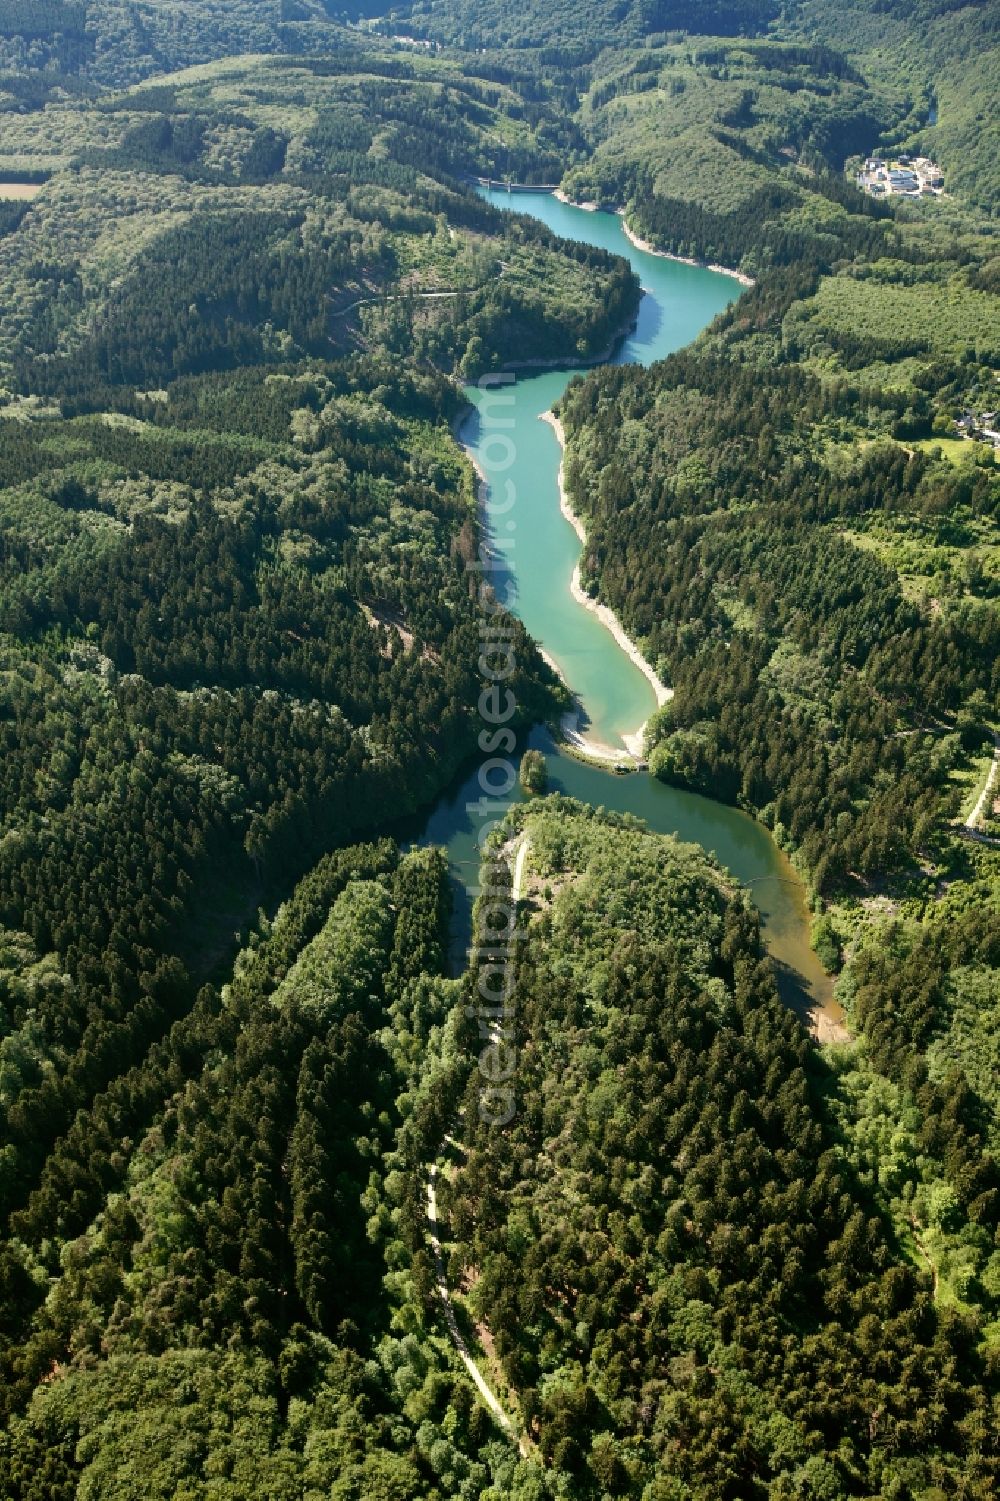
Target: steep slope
[
  {"x": 551, "y": 24},
  {"x": 686, "y": 1286}
]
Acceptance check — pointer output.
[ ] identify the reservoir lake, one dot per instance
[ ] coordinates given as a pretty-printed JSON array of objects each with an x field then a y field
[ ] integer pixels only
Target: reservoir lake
[{"x": 542, "y": 551}]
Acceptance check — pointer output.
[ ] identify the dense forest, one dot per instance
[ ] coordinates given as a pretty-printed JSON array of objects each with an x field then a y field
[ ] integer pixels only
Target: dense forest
[
  {"x": 194, "y": 234},
  {"x": 785, "y": 521},
  {"x": 560, "y": 30},
  {"x": 809, "y": 685},
  {"x": 689, "y": 1289},
  {"x": 115, "y": 43},
  {"x": 224, "y": 1318},
  {"x": 705, "y": 1257},
  {"x": 212, "y": 678}
]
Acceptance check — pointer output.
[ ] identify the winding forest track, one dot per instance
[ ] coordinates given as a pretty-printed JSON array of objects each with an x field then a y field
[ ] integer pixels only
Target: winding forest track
[
  {"x": 517, "y": 881},
  {"x": 487, "y": 1393},
  {"x": 991, "y": 777},
  {"x": 457, "y": 1338},
  {"x": 402, "y": 297}
]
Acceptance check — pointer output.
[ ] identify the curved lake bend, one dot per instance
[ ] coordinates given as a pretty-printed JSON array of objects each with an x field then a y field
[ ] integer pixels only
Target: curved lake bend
[{"x": 519, "y": 457}]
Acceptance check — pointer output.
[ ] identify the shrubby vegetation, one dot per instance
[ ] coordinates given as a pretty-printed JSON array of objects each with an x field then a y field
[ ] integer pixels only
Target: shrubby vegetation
[{"x": 533, "y": 775}]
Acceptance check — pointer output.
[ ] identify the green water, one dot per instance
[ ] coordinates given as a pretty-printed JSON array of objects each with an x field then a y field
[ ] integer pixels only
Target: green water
[
  {"x": 540, "y": 545},
  {"x": 519, "y": 456}
]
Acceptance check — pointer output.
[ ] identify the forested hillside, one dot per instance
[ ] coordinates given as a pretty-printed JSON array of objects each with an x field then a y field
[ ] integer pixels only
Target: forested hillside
[
  {"x": 945, "y": 55},
  {"x": 114, "y": 43},
  {"x": 690, "y": 1289},
  {"x": 786, "y": 520},
  {"x": 264, "y": 212},
  {"x": 224, "y": 654},
  {"x": 238, "y": 631},
  {"x": 705, "y": 1258},
  {"x": 222, "y": 1329},
  {"x": 570, "y": 33},
  {"x": 811, "y": 683}
]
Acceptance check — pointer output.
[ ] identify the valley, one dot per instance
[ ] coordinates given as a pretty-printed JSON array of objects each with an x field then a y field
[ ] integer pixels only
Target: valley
[{"x": 385, "y": 1114}]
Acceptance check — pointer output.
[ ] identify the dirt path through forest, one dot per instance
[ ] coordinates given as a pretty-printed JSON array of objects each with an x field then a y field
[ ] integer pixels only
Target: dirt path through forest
[
  {"x": 457, "y": 1338},
  {"x": 982, "y": 802}
]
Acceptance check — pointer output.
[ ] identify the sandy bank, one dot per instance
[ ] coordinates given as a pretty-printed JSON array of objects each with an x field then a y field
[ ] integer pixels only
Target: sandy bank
[
  {"x": 11, "y": 190},
  {"x": 827, "y": 1024},
  {"x": 650, "y": 249},
  {"x": 590, "y": 208},
  {"x": 599, "y": 751},
  {"x": 610, "y": 621},
  {"x": 483, "y": 484},
  {"x": 586, "y": 746},
  {"x": 569, "y": 725},
  {"x": 685, "y": 260}
]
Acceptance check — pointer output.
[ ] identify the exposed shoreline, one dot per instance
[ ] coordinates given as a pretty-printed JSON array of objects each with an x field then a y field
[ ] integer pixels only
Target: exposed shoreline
[
  {"x": 684, "y": 260},
  {"x": 589, "y": 207},
  {"x": 640, "y": 244},
  {"x": 482, "y": 485},
  {"x": 585, "y": 745},
  {"x": 21, "y": 191},
  {"x": 608, "y": 618}
]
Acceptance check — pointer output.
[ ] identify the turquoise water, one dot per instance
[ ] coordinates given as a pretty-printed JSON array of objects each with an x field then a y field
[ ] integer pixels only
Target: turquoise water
[
  {"x": 737, "y": 841},
  {"x": 519, "y": 455},
  {"x": 540, "y": 545}
]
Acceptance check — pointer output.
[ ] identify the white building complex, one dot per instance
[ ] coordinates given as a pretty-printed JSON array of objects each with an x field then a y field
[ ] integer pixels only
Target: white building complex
[{"x": 905, "y": 176}]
